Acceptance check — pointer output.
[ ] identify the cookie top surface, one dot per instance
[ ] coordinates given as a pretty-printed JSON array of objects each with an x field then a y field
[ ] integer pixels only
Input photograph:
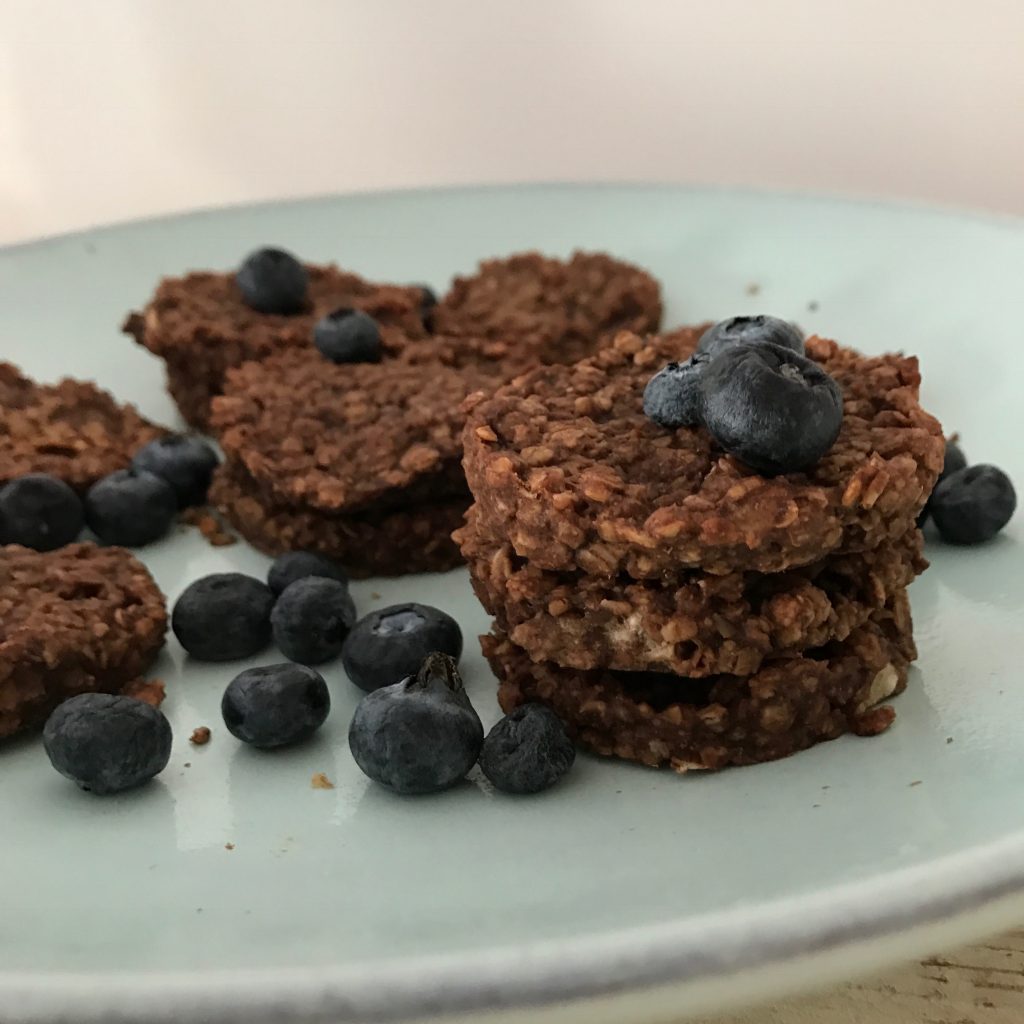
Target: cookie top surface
[
  {"x": 559, "y": 309},
  {"x": 205, "y": 309},
  {"x": 564, "y": 463},
  {"x": 72, "y": 430},
  {"x": 97, "y": 606},
  {"x": 344, "y": 437}
]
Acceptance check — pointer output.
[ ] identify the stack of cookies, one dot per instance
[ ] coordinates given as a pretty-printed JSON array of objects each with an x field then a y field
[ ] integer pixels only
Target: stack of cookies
[
  {"x": 670, "y": 604},
  {"x": 362, "y": 460}
]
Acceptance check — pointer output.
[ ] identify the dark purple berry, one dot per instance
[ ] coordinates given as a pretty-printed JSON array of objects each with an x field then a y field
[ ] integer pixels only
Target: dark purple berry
[
  {"x": 348, "y": 336},
  {"x": 527, "y": 751},
  {"x": 275, "y": 705},
  {"x": 223, "y": 617},
  {"x": 185, "y": 462},
  {"x": 673, "y": 396},
  {"x": 107, "y": 743},
  {"x": 420, "y": 735},
  {"x": 777, "y": 411},
  {"x": 390, "y": 644},
  {"x": 39, "y": 511},
  {"x": 972, "y": 505},
  {"x": 751, "y": 330},
  {"x": 131, "y": 508},
  {"x": 273, "y": 281},
  {"x": 311, "y": 619}
]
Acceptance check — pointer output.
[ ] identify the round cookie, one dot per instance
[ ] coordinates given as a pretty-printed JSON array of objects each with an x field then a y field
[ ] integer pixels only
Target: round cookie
[
  {"x": 199, "y": 325},
  {"x": 789, "y": 705},
  {"x": 701, "y": 625},
  {"x": 72, "y": 430},
  {"x": 376, "y": 542},
  {"x": 345, "y": 438},
  {"x": 564, "y": 463},
  {"x": 557, "y": 311},
  {"x": 79, "y": 619}
]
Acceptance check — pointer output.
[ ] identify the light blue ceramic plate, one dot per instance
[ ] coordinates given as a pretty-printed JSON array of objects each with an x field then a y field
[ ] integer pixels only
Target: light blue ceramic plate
[{"x": 625, "y": 894}]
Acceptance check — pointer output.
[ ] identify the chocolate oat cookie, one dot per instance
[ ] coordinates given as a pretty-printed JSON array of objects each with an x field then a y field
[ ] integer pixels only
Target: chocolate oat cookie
[
  {"x": 375, "y": 542},
  {"x": 348, "y": 437},
  {"x": 79, "y": 619},
  {"x": 700, "y": 625},
  {"x": 72, "y": 430},
  {"x": 527, "y": 308},
  {"x": 788, "y": 705},
  {"x": 564, "y": 463},
  {"x": 200, "y": 326},
  {"x": 560, "y": 310}
]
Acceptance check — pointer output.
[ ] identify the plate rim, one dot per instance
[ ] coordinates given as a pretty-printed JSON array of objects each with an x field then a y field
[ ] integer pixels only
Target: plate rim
[
  {"x": 902, "y": 204},
  {"x": 544, "y": 973},
  {"x": 708, "y": 948}
]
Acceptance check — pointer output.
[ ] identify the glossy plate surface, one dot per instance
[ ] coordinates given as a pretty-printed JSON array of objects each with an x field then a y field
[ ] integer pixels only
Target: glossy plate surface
[{"x": 232, "y": 889}]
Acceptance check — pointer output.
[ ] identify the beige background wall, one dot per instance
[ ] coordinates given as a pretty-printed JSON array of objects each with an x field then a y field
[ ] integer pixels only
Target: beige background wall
[{"x": 119, "y": 108}]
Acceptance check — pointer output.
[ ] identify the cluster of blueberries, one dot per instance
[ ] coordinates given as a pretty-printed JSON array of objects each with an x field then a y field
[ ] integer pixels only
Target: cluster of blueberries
[
  {"x": 274, "y": 281},
  {"x": 750, "y": 384},
  {"x": 131, "y": 507},
  {"x": 415, "y": 731},
  {"x": 762, "y": 400}
]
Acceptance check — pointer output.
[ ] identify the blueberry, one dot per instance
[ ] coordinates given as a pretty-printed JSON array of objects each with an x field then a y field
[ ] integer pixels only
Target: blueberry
[
  {"x": 751, "y": 330},
  {"x": 527, "y": 751},
  {"x": 311, "y": 619},
  {"x": 223, "y": 617},
  {"x": 130, "y": 507},
  {"x": 273, "y": 281},
  {"x": 972, "y": 505},
  {"x": 107, "y": 743},
  {"x": 428, "y": 300},
  {"x": 777, "y": 411},
  {"x": 390, "y": 644},
  {"x": 420, "y": 735},
  {"x": 297, "y": 565},
  {"x": 348, "y": 336},
  {"x": 673, "y": 396},
  {"x": 275, "y": 704},
  {"x": 953, "y": 460},
  {"x": 39, "y": 511},
  {"x": 186, "y": 463}
]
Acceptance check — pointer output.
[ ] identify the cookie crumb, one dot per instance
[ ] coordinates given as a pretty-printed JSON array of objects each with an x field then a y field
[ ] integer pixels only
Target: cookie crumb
[
  {"x": 188, "y": 764},
  {"x": 949, "y": 739},
  {"x": 753, "y": 288},
  {"x": 320, "y": 781},
  {"x": 375, "y": 596},
  {"x": 916, "y": 782},
  {"x": 207, "y": 522},
  {"x": 229, "y": 846},
  {"x": 200, "y": 735},
  {"x": 151, "y": 691}
]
